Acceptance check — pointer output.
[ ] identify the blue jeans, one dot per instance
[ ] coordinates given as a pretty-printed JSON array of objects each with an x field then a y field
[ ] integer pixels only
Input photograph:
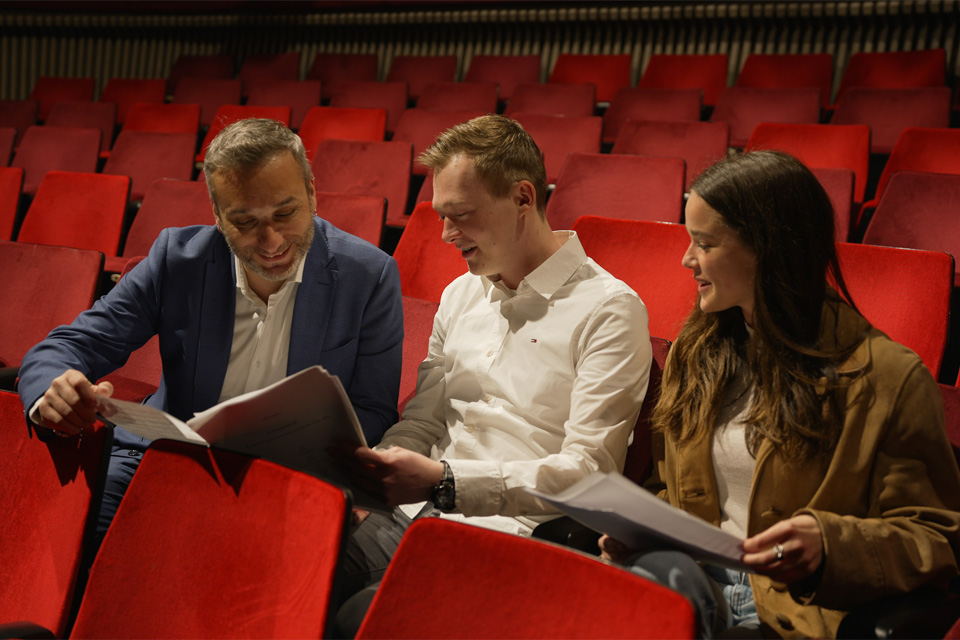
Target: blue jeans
[{"x": 721, "y": 598}]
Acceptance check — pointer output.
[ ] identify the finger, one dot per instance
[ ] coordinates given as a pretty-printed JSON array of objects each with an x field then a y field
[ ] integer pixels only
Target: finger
[
  {"x": 105, "y": 389},
  {"x": 55, "y": 413}
]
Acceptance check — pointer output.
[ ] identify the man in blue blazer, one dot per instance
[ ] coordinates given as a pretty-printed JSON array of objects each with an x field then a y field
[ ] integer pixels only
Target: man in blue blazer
[{"x": 271, "y": 290}]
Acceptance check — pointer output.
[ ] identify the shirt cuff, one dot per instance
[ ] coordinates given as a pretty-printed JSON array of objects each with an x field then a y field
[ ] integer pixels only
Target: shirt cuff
[{"x": 479, "y": 486}]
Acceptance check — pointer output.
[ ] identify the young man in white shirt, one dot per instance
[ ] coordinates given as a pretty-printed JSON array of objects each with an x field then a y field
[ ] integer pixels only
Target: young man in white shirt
[{"x": 537, "y": 367}]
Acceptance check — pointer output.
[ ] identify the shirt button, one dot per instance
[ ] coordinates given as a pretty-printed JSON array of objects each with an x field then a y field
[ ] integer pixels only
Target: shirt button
[
  {"x": 487, "y": 397},
  {"x": 469, "y": 428},
  {"x": 489, "y": 352}
]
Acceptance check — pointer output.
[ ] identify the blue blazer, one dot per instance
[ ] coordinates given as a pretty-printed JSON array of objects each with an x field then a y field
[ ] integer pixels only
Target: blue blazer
[{"x": 348, "y": 317}]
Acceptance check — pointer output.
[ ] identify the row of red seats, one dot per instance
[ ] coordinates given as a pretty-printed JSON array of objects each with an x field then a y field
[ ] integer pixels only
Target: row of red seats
[{"x": 386, "y": 168}]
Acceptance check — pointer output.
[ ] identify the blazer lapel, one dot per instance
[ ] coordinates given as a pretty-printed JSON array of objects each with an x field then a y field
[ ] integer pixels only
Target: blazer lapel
[
  {"x": 313, "y": 306},
  {"x": 217, "y": 315}
]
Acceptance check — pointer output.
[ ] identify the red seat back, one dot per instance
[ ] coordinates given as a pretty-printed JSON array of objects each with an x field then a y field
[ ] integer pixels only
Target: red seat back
[
  {"x": 576, "y": 596},
  {"x": 427, "y": 264},
  {"x": 252, "y": 546},
  {"x": 608, "y": 72},
  {"x": 506, "y": 70},
  {"x": 621, "y": 186},
  {"x": 707, "y": 72}
]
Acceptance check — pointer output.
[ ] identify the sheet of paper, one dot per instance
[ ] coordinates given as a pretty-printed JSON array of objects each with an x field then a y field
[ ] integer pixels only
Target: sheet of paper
[
  {"x": 146, "y": 421},
  {"x": 612, "y": 504},
  {"x": 294, "y": 422}
]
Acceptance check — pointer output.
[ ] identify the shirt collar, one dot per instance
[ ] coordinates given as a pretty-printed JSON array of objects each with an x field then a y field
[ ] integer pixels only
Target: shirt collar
[
  {"x": 556, "y": 270},
  {"x": 243, "y": 285}
]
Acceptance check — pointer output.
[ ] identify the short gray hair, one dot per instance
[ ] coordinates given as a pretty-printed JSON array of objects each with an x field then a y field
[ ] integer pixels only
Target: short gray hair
[{"x": 247, "y": 144}]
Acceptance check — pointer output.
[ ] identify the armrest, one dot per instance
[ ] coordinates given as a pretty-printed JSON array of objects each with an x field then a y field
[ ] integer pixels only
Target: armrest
[
  {"x": 570, "y": 533},
  {"x": 924, "y": 613},
  {"x": 8, "y": 378},
  {"x": 23, "y": 629}
]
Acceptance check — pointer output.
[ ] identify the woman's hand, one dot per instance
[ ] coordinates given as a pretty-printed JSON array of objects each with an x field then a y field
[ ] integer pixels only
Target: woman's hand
[{"x": 788, "y": 551}]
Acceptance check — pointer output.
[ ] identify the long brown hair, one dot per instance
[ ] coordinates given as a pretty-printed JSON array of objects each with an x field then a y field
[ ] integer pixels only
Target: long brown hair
[{"x": 777, "y": 207}]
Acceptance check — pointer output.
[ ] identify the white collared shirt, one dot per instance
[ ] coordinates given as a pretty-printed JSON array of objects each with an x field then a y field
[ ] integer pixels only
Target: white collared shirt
[
  {"x": 534, "y": 388},
  {"x": 261, "y": 335}
]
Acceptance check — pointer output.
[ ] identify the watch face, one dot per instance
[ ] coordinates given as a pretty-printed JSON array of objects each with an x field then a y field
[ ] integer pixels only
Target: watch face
[{"x": 444, "y": 496}]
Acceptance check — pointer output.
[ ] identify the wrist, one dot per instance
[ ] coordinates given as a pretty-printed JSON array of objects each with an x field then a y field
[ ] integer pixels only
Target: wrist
[{"x": 444, "y": 494}]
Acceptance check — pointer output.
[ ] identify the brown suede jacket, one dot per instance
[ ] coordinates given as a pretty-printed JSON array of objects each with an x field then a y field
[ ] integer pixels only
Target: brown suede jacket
[{"x": 888, "y": 500}]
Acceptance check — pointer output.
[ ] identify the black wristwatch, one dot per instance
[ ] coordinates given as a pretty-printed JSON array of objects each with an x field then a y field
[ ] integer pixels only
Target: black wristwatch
[{"x": 444, "y": 495}]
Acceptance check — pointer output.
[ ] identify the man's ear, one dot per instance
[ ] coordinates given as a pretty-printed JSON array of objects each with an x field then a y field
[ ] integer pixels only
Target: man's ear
[{"x": 526, "y": 196}]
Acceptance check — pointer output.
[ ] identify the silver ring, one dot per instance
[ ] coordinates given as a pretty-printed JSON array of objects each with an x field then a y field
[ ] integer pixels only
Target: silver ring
[{"x": 778, "y": 548}]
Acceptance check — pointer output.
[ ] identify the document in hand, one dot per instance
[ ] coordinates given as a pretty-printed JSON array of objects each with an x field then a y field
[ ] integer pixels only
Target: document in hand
[
  {"x": 612, "y": 504},
  {"x": 293, "y": 422}
]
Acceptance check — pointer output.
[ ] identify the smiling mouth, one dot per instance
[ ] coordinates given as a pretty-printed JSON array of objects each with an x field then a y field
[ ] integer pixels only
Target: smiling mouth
[{"x": 275, "y": 257}]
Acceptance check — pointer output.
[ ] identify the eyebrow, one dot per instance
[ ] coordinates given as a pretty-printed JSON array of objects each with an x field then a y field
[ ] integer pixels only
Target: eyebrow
[
  {"x": 240, "y": 212},
  {"x": 695, "y": 233}
]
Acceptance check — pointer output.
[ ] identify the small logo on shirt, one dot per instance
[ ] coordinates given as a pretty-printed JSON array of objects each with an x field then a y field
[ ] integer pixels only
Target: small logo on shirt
[{"x": 533, "y": 340}]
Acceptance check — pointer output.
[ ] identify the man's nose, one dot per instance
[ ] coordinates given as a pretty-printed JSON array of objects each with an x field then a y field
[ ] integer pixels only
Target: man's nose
[{"x": 450, "y": 230}]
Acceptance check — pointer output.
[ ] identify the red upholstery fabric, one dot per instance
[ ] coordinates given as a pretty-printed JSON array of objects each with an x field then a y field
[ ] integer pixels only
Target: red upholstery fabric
[
  {"x": 348, "y": 123},
  {"x": 166, "y": 203},
  {"x": 789, "y": 70},
  {"x": 707, "y": 72},
  {"x": 838, "y": 183},
  {"x": 210, "y": 94},
  {"x": 617, "y": 186},
  {"x": 427, "y": 264},
  {"x": 419, "y": 71},
  {"x": 43, "y": 287},
  {"x": 332, "y": 68},
  {"x": 80, "y": 210},
  {"x": 48, "y": 90},
  {"x": 264, "y": 68},
  {"x": 553, "y": 99},
  {"x": 420, "y": 127},
  {"x": 11, "y": 179},
  {"x": 507, "y": 71},
  {"x": 921, "y": 149},
  {"x": 646, "y": 255},
  {"x": 660, "y": 105},
  {"x": 147, "y": 156},
  {"x": 506, "y": 586},
  {"x": 889, "y": 111},
  {"x": 45, "y": 149},
  {"x": 460, "y": 96},
  {"x": 700, "y": 144},
  {"x": 746, "y": 107},
  {"x": 366, "y": 168},
  {"x": 639, "y": 462},
  {"x": 417, "y": 328},
  {"x": 363, "y": 216},
  {"x": 18, "y": 114},
  {"x": 127, "y": 92},
  {"x": 8, "y": 136},
  {"x": 233, "y": 547},
  {"x": 164, "y": 118},
  {"x": 904, "y": 292},
  {"x": 48, "y": 492},
  {"x": 204, "y": 66},
  {"x": 918, "y": 211},
  {"x": 85, "y": 114},
  {"x": 557, "y": 136},
  {"x": 391, "y": 96},
  {"x": 608, "y": 72},
  {"x": 299, "y": 96},
  {"x": 821, "y": 146},
  {"x": 230, "y": 113},
  {"x": 894, "y": 70}
]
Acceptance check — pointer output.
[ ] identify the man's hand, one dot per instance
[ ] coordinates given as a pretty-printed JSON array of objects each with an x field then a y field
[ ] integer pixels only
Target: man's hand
[
  {"x": 613, "y": 550},
  {"x": 70, "y": 404},
  {"x": 799, "y": 543},
  {"x": 396, "y": 475}
]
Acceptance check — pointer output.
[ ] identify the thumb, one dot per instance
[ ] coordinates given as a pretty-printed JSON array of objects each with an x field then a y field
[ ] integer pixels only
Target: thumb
[{"x": 105, "y": 388}]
